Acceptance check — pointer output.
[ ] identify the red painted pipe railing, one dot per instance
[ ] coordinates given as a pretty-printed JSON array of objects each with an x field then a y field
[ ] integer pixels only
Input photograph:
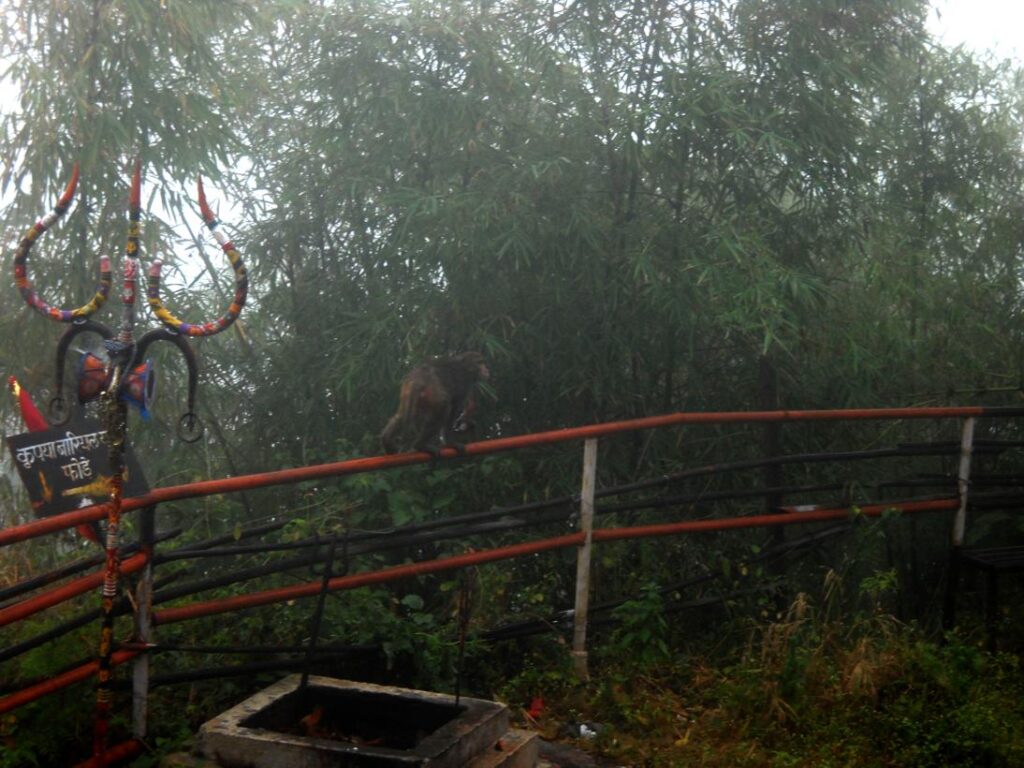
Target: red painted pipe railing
[
  {"x": 33, "y": 605},
  {"x": 57, "y": 682},
  {"x": 196, "y": 610},
  {"x": 123, "y": 751},
  {"x": 787, "y": 518},
  {"x": 354, "y": 466},
  {"x": 282, "y": 594}
]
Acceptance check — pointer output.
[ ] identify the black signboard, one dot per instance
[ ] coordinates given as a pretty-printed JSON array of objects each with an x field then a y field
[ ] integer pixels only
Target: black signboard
[{"x": 67, "y": 468}]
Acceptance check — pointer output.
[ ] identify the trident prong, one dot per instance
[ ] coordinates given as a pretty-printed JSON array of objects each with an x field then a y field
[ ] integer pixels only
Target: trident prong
[
  {"x": 241, "y": 283},
  {"x": 24, "y": 285}
]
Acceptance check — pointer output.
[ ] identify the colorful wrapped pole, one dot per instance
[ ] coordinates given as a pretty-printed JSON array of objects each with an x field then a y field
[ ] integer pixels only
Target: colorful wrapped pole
[{"x": 124, "y": 377}]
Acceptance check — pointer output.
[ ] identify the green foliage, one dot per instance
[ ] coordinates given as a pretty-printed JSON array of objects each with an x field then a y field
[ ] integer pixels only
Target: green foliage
[
  {"x": 807, "y": 691},
  {"x": 631, "y": 208},
  {"x": 642, "y": 631},
  {"x": 879, "y": 584},
  {"x": 626, "y": 217},
  {"x": 40, "y": 733}
]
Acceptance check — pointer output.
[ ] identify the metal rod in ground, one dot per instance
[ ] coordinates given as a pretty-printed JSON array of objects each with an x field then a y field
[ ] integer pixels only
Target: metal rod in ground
[
  {"x": 465, "y": 608},
  {"x": 318, "y": 614}
]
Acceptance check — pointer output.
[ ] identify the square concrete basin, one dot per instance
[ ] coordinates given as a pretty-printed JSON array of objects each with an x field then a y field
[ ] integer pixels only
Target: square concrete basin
[{"x": 333, "y": 723}]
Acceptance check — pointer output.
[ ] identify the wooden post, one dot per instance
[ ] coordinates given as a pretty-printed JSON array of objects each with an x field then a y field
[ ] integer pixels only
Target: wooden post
[
  {"x": 143, "y": 625},
  {"x": 579, "y": 634},
  {"x": 963, "y": 481}
]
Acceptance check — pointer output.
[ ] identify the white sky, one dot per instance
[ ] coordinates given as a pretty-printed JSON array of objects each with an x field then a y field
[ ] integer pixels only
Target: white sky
[{"x": 995, "y": 26}]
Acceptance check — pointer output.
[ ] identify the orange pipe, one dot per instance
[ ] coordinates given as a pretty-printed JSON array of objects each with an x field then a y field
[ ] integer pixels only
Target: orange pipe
[
  {"x": 115, "y": 754},
  {"x": 282, "y": 594},
  {"x": 54, "y": 684},
  {"x": 787, "y": 518},
  {"x": 354, "y": 466},
  {"x": 65, "y": 520},
  {"x": 64, "y": 592},
  {"x": 474, "y": 558}
]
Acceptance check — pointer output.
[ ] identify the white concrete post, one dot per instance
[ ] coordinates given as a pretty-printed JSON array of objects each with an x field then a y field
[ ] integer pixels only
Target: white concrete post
[
  {"x": 963, "y": 480},
  {"x": 143, "y": 626},
  {"x": 579, "y": 634}
]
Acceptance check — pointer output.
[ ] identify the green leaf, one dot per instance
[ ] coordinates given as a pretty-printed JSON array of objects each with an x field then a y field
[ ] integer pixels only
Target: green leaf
[{"x": 413, "y": 602}]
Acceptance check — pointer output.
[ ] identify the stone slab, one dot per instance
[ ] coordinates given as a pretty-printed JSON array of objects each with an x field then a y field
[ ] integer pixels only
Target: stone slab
[
  {"x": 247, "y": 735},
  {"x": 516, "y": 749}
]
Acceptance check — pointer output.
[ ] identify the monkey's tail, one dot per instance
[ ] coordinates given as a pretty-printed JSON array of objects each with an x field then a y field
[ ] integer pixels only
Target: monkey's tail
[
  {"x": 407, "y": 399},
  {"x": 398, "y": 424},
  {"x": 389, "y": 433}
]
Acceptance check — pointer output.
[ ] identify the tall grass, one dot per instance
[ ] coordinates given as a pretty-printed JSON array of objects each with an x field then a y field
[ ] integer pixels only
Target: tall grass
[{"x": 817, "y": 686}]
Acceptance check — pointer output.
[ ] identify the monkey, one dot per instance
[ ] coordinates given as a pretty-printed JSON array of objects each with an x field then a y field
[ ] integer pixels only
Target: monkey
[
  {"x": 436, "y": 401},
  {"x": 466, "y": 421}
]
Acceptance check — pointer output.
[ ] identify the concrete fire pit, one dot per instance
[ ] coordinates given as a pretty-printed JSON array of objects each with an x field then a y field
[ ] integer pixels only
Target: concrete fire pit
[{"x": 338, "y": 723}]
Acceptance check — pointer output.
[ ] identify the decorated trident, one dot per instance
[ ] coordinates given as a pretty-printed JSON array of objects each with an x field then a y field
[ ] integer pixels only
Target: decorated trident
[
  {"x": 124, "y": 376},
  {"x": 126, "y": 357}
]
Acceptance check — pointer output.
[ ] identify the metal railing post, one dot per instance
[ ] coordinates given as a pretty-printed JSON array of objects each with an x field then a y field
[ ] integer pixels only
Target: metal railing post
[
  {"x": 143, "y": 625},
  {"x": 963, "y": 482},
  {"x": 579, "y": 634}
]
